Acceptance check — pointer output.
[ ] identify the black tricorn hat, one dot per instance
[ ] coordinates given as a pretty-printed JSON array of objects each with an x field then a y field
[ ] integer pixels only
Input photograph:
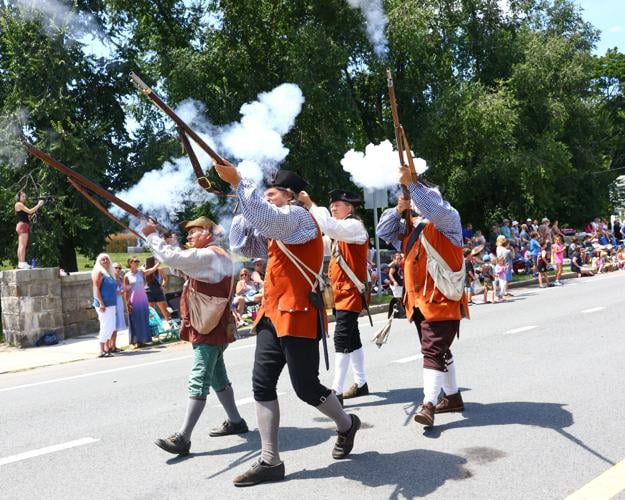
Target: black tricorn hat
[
  {"x": 286, "y": 179},
  {"x": 346, "y": 196}
]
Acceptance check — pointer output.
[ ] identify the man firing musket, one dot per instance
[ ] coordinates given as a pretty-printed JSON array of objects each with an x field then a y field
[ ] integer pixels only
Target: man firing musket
[{"x": 433, "y": 276}]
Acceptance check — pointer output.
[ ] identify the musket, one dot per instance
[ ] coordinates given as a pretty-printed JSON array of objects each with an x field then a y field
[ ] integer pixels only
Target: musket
[
  {"x": 90, "y": 185},
  {"x": 183, "y": 131},
  {"x": 403, "y": 147},
  {"x": 101, "y": 208}
]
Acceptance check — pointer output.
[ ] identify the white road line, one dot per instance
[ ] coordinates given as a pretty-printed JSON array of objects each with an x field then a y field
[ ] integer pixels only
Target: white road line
[
  {"x": 409, "y": 359},
  {"x": 522, "y": 329},
  {"x": 112, "y": 370},
  {"x": 48, "y": 449},
  {"x": 593, "y": 309}
]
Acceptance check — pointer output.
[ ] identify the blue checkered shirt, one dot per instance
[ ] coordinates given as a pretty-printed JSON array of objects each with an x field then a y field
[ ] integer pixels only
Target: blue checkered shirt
[
  {"x": 431, "y": 207},
  {"x": 261, "y": 221}
]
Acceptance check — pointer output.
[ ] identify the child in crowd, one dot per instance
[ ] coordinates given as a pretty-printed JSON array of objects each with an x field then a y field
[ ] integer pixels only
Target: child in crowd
[
  {"x": 488, "y": 274},
  {"x": 558, "y": 258},
  {"x": 501, "y": 273},
  {"x": 542, "y": 266},
  {"x": 534, "y": 250},
  {"x": 469, "y": 276}
]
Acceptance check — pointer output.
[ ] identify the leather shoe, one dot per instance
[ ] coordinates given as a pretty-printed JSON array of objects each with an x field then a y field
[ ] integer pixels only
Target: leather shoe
[
  {"x": 450, "y": 403},
  {"x": 354, "y": 391},
  {"x": 175, "y": 444},
  {"x": 260, "y": 472},
  {"x": 345, "y": 440},
  {"x": 227, "y": 428},
  {"x": 425, "y": 415}
]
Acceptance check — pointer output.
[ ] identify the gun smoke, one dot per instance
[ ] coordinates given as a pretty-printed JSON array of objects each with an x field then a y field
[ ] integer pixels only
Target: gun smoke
[
  {"x": 11, "y": 152},
  {"x": 376, "y": 22},
  {"x": 55, "y": 15},
  {"x": 256, "y": 141},
  {"x": 376, "y": 168}
]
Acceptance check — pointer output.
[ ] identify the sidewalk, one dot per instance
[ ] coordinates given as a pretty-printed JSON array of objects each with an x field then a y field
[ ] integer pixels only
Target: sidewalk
[{"x": 13, "y": 359}]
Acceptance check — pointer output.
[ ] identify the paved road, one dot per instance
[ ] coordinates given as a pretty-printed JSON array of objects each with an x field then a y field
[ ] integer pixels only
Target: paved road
[{"x": 542, "y": 378}]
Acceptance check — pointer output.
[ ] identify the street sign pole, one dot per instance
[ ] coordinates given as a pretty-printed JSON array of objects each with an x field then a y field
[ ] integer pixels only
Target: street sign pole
[{"x": 374, "y": 199}]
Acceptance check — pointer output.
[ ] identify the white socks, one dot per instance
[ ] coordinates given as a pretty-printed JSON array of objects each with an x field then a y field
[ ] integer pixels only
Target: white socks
[
  {"x": 450, "y": 385},
  {"x": 432, "y": 385},
  {"x": 357, "y": 359},
  {"x": 341, "y": 364}
]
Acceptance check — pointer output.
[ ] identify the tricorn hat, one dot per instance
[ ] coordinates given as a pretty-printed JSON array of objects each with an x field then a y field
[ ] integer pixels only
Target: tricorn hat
[
  {"x": 285, "y": 179},
  {"x": 203, "y": 222},
  {"x": 346, "y": 196}
]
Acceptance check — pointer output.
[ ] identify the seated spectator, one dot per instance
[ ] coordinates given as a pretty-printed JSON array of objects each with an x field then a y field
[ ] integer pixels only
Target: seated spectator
[
  {"x": 577, "y": 264},
  {"x": 258, "y": 274},
  {"x": 620, "y": 258},
  {"x": 384, "y": 277},
  {"x": 246, "y": 291}
]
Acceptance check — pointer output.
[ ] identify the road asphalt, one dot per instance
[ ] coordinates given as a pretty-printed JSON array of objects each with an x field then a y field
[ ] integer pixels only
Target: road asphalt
[{"x": 541, "y": 376}]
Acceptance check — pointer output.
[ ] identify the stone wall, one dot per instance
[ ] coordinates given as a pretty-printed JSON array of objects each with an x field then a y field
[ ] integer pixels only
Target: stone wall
[
  {"x": 31, "y": 304},
  {"x": 37, "y": 301}
]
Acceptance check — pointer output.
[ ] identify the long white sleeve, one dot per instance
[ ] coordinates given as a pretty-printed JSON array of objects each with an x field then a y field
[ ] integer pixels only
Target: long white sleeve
[{"x": 349, "y": 230}]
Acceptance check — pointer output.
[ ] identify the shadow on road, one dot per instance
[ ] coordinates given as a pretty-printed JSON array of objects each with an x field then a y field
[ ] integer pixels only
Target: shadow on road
[
  {"x": 414, "y": 473},
  {"x": 546, "y": 415}
]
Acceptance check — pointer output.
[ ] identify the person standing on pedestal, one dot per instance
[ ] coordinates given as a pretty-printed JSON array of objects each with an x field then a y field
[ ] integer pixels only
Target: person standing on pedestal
[{"x": 23, "y": 226}]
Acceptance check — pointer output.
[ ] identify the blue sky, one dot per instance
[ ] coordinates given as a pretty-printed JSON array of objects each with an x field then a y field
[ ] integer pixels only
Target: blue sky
[{"x": 609, "y": 17}]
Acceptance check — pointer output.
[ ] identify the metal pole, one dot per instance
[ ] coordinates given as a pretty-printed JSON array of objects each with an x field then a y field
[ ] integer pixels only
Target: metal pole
[{"x": 377, "y": 246}]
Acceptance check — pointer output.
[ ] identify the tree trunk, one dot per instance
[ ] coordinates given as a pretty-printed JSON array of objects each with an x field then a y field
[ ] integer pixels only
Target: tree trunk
[{"x": 67, "y": 252}]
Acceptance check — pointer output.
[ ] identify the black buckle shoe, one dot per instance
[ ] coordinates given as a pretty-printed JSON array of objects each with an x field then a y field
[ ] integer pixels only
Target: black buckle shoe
[
  {"x": 354, "y": 391},
  {"x": 228, "y": 428},
  {"x": 260, "y": 472},
  {"x": 345, "y": 440},
  {"x": 175, "y": 444}
]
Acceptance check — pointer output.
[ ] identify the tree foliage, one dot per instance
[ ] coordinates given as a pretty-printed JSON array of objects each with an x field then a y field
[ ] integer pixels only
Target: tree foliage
[{"x": 510, "y": 108}]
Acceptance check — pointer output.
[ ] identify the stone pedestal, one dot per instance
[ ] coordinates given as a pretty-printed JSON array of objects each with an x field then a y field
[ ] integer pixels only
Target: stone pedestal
[{"x": 31, "y": 304}]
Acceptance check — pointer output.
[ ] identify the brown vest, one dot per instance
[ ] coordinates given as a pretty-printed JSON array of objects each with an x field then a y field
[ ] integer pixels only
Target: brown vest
[
  {"x": 346, "y": 295},
  {"x": 440, "y": 308},
  {"x": 223, "y": 333},
  {"x": 285, "y": 292}
]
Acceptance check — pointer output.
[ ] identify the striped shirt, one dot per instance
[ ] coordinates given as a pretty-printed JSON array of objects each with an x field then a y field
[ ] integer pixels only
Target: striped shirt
[
  {"x": 261, "y": 221},
  {"x": 431, "y": 207}
]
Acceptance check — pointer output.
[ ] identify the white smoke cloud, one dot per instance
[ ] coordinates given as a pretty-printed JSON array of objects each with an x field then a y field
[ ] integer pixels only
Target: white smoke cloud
[
  {"x": 56, "y": 15},
  {"x": 256, "y": 140},
  {"x": 12, "y": 128},
  {"x": 376, "y": 22},
  {"x": 377, "y": 167}
]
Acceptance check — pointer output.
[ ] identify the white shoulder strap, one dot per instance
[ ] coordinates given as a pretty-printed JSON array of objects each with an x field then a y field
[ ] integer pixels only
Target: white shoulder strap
[
  {"x": 336, "y": 252},
  {"x": 303, "y": 267}
]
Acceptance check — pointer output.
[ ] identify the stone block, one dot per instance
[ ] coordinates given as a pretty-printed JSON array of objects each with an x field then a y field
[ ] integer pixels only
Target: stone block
[
  {"x": 38, "y": 290},
  {"x": 9, "y": 290}
]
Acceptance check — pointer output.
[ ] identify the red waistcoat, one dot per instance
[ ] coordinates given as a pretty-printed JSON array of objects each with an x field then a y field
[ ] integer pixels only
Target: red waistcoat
[
  {"x": 440, "y": 308},
  {"x": 285, "y": 292},
  {"x": 346, "y": 296}
]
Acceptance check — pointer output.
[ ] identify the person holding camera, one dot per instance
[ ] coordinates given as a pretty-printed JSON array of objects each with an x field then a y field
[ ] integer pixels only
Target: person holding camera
[{"x": 22, "y": 228}]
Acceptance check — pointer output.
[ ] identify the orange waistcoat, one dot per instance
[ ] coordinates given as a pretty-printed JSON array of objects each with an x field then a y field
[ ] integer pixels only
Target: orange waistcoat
[
  {"x": 440, "y": 308},
  {"x": 346, "y": 296},
  {"x": 285, "y": 292}
]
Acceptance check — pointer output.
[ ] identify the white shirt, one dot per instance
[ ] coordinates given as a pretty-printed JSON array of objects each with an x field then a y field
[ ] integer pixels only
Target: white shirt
[
  {"x": 350, "y": 230},
  {"x": 203, "y": 264}
]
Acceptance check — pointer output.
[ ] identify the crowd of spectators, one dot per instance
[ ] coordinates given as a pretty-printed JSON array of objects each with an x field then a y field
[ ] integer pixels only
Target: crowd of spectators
[{"x": 541, "y": 250}]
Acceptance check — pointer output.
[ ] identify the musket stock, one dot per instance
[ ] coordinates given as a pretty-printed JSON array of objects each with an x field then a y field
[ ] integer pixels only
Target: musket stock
[
  {"x": 403, "y": 147},
  {"x": 90, "y": 185},
  {"x": 160, "y": 104}
]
